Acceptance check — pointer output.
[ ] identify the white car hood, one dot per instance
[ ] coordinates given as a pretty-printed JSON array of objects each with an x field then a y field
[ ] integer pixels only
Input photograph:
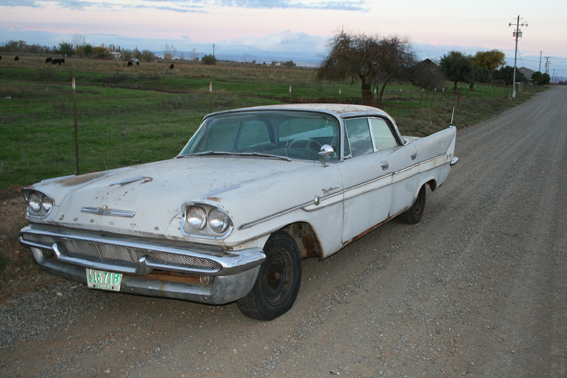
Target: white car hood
[{"x": 154, "y": 193}]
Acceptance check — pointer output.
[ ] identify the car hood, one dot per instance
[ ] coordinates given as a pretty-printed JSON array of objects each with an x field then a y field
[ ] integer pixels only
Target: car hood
[{"x": 146, "y": 199}]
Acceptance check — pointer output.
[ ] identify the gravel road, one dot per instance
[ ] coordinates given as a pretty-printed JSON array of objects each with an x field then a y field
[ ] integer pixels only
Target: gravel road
[{"x": 477, "y": 289}]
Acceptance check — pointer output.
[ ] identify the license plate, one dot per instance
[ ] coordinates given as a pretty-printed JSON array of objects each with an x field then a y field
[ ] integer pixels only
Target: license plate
[{"x": 98, "y": 279}]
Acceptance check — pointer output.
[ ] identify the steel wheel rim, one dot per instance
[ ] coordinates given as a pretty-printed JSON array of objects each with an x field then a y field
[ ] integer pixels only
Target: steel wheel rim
[{"x": 277, "y": 276}]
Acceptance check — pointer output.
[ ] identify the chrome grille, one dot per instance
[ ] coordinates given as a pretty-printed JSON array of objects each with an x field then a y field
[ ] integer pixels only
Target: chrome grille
[{"x": 131, "y": 255}]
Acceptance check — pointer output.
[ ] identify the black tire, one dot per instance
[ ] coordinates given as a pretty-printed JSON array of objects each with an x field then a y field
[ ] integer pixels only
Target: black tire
[
  {"x": 413, "y": 214},
  {"x": 278, "y": 281}
]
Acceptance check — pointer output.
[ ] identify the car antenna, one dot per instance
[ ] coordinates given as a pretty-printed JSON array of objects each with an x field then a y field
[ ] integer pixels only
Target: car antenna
[{"x": 452, "y": 116}]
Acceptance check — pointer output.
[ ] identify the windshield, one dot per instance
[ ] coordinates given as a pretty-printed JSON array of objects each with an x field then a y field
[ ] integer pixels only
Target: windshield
[{"x": 289, "y": 134}]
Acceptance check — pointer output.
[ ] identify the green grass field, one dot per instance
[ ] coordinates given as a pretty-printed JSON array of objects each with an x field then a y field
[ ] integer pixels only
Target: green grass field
[{"x": 132, "y": 115}]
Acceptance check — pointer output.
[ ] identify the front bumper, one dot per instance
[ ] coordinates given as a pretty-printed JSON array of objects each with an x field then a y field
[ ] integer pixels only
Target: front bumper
[{"x": 151, "y": 267}]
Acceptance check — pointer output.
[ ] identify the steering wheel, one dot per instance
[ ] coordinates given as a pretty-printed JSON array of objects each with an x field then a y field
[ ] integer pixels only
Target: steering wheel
[{"x": 309, "y": 143}]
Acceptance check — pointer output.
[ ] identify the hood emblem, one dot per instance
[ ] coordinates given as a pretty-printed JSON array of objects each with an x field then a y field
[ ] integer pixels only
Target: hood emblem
[{"x": 105, "y": 210}]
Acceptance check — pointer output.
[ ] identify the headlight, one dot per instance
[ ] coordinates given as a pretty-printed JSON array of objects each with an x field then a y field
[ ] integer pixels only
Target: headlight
[
  {"x": 39, "y": 204},
  {"x": 196, "y": 218},
  {"x": 218, "y": 221},
  {"x": 201, "y": 220}
]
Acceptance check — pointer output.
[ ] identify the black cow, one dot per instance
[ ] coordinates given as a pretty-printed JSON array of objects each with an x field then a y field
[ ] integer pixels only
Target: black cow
[
  {"x": 171, "y": 67},
  {"x": 137, "y": 63},
  {"x": 0, "y": 57},
  {"x": 48, "y": 60},
  {"x": 58, "y": 61},
  {"x": 129, "y": 64},
  {"x": 17, "y": 59}
]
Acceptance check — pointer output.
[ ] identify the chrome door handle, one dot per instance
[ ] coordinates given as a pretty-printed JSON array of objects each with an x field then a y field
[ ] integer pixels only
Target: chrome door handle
[
  {"x": 413, "y": 155},
  {"x": 384, "y": 164}
]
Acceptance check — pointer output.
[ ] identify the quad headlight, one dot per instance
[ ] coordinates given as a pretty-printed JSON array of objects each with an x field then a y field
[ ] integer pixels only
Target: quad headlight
[
  {"x": 39, "y": 204},
  {"x": 205, "y": 221}
]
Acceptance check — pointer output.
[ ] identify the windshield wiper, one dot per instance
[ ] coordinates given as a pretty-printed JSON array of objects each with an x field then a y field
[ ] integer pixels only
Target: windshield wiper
[{"x": 226, "y": 153}]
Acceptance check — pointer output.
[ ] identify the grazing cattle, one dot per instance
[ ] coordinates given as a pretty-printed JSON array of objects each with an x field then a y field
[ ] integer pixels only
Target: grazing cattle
[
  {"x": 129, "y": 64},
  {"x": 48, "y": 60},
  {"x": 137, "y": 63},
  {"x": 58, "y": 61},
  {"x": 17, "y": 59},
  {"x": 0, "y": 57},
  {"x": 171, "y": 67}
]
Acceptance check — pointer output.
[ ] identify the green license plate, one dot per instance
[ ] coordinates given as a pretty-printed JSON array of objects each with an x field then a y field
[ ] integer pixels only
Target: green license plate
[{"x": 98, "y": 279}]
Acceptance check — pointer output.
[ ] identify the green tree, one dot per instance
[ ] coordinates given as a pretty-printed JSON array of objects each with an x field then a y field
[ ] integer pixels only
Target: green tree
[
  {"x": 457, "y": 67},
  {"x": 66, "y": 49},
  {"x": 541, "y": 79},
  {"x": 369, "y": 59},
  {"x": 146, "y": 56},
  {"x": 506, "y": 75},
  {"x": 209, "y": 59}
]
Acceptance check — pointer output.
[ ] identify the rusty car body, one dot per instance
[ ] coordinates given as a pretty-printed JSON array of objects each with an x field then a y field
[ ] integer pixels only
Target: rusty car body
[{"x": 253, "y": 192}]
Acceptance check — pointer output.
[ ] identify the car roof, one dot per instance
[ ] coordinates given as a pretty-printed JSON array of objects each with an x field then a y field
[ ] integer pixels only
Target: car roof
[{"x": 336, "y": 109}]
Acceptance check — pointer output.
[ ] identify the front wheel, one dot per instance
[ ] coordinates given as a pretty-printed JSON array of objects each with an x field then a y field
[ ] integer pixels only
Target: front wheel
[
  {"x": 278, "y": 281},
  {"x": 414, "y": 213}
]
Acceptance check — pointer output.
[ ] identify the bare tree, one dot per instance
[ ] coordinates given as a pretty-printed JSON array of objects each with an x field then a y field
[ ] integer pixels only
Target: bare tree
[
  {"x": 170, "y": 52},
  {"x": 370, "y": 59}
]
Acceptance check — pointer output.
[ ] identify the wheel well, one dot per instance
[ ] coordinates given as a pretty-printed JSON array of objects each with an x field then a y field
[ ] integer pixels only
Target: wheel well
[
  {"x": 432, "y": 184},
  {"x": 306, "y": 239}
]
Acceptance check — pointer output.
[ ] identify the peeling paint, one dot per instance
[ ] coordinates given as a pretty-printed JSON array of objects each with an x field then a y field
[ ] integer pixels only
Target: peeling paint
[{"x": 81, "y": 179}]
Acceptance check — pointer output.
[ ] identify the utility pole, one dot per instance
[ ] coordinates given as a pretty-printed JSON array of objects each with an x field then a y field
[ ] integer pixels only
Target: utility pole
[
  {"x": 541, "y": 52},
  {"x": 547, "y": 63},
  {"x": 516, "y": 34}
]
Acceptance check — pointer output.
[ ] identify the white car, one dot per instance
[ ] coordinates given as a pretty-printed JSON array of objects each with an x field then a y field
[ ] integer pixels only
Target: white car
[{"x": 253, "y": 192}]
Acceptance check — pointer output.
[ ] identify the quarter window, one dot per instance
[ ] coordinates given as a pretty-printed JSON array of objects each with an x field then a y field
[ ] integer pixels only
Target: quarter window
[
  {"x": 382, "y": 135},
  {"x": 359, "y": 136}
]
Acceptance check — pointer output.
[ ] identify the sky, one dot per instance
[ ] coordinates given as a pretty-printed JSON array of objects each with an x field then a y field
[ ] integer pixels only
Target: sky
[{"x": 298, "y": 30}]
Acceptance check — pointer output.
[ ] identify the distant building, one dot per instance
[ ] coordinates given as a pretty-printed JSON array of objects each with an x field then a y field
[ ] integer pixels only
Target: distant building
[
  {"x": 527, "y": 72},
  {"x": 117, "y": 55}
]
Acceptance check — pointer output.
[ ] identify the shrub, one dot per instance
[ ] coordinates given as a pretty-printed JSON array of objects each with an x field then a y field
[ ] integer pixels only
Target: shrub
[{"x": 209, "y": 60}]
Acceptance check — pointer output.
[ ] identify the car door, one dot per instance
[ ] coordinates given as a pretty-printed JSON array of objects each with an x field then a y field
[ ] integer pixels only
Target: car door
[
  {"x": 401, "y": 162},
  {"x": 366, "y": 179}
]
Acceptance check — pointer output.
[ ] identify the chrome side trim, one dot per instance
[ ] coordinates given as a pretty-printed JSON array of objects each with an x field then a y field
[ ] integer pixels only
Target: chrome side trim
[{"x": 359, "y": 189}]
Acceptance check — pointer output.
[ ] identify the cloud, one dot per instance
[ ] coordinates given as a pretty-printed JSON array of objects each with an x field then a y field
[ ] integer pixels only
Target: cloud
[
  {"x": 351, "y": 5},
  {"x": 192, "y": 5},
  {"x": 284, "y": 41}
]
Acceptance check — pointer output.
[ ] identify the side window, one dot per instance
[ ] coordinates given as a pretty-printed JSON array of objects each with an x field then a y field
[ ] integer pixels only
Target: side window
[
  {"x": 359, "y": 136},
  {"x": 383, "y": 137}
]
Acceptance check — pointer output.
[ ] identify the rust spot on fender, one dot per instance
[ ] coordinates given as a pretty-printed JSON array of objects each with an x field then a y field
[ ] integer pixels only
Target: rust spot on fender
[
  {"x": 216, "y": 199},
  {"x": 81, "y": 179},
  {"x": 146, "y": 180}
]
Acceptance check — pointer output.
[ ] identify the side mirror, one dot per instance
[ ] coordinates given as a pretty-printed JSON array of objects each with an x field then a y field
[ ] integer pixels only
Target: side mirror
[{"x": 326, "y": 152}]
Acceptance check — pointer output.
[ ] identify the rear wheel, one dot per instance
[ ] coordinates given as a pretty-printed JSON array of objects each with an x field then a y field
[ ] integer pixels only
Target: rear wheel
[
  {"x": 414, "y": 213},
  {"x": 278, "y": 281}
]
